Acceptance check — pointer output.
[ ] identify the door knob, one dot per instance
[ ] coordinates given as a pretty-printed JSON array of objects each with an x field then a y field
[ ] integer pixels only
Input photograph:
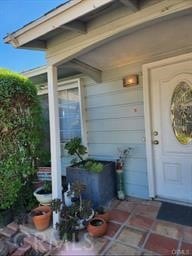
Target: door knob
[{"x": 155, "y": 142}]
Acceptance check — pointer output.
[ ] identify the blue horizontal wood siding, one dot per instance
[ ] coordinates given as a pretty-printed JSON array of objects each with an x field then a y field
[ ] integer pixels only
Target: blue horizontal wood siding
[{"x": 115, "y": 119}]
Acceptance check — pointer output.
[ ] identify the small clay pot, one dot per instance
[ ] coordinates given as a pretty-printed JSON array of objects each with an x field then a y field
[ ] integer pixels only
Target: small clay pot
[
  {"x": 43, "y": 217},
  {"x": 97, "y": 227},
  {"x": 105, "y": 216}
]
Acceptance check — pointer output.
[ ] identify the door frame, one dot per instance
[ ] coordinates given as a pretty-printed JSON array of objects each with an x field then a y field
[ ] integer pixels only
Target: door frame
[{"x": 146, "y": 69}]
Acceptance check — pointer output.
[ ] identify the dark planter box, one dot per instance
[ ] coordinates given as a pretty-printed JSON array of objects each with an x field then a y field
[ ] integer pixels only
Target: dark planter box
[{"x": 100, "y": 187}]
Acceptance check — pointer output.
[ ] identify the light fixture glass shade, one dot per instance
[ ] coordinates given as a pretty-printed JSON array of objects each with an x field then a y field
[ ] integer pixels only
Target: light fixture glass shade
[{"x": 130, "y": 80}]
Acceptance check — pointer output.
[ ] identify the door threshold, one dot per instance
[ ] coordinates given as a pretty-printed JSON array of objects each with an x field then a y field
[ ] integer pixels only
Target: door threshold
[{"x": 172, "y": 201}]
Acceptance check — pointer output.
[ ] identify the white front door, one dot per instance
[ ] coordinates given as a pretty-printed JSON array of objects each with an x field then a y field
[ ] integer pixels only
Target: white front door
[{"x": 170, "y": 97}]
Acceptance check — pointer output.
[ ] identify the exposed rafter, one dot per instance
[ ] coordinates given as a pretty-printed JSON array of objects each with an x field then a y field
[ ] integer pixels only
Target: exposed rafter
[
  {"x": 133, "y": 5},
  {"x": 84, "y": 68},
  {"x": 62, "y": 15},
  {"x": 76, "y": 26}
]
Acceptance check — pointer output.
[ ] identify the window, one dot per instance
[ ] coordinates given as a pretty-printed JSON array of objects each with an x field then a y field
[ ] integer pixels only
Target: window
[
  {"x": 69, "y": 117},
  {"x": 69, "y": 114}
]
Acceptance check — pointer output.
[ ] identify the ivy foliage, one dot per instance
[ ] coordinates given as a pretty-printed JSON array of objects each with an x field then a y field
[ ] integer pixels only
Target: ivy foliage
[{"x": 20, "y": 134}]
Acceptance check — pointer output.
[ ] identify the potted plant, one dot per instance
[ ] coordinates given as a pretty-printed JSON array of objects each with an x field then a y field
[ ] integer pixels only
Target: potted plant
[
  {"x": 97, "y": 227},
  {"x": 67, "y": 224},
  {"x": 82, "y": 208},
  {"x": 120, "y": 165},
  {"x": 41, "y": 217},
  {"x": 74, "y": 217},
  {"x": 44, "y": 194},
  {"x": 102, "y": 213},
  {"x": 97, "y": 175}
]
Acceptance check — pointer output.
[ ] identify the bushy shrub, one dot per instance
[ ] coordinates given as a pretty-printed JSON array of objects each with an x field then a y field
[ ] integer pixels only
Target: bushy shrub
[{"x": 20, "y": 134}]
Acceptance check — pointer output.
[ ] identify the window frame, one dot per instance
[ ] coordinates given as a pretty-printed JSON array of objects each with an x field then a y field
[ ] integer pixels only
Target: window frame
[{"x": 70, "y": 84}]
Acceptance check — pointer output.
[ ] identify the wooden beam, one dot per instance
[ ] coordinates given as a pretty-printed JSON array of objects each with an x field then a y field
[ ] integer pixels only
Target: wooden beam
[
  {"x": 54, "y": 137},
  {"x": 97, "y": 36},
  {"x": 133, "y": 5},
  {"x": 76, "y": 26},
  {"x": 84, "y": 68}
]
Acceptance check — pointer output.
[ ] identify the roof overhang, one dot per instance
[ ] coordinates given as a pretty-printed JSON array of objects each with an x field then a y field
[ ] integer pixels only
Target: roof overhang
[
  {"x": 62, "y": 17},
  {"x": 68, "y": 16}
]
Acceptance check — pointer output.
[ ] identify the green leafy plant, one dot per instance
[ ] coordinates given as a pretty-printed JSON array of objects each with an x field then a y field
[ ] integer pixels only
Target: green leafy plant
[
  {"x": 44, "y": 158},
  {"x": 20, "y": 133},
  {"x": 82, "y": 207},
  {"x": 76, "y": 149},
  {"x": 94, "y": 166},
  {"x": 47, "y": 186},
  {"x": 67, "y": 225},
  {"x": 73, "y": 217},
  {"x": 56, "y": 205},
  {"x": 77, "y": 190}
]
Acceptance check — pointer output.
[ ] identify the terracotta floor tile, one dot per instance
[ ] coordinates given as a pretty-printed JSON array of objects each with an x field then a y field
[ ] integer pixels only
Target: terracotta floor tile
[
  {"x": 112, "y": 229},
  {"x": 120, "y": 249},
  {"x": 150, "y": 211},
  {"x": 161, "y": 244},
  {"x": 140, "y": 222},
  {"x": 187, "y": 234},
  {"x": 87, "y": 246},
  {"x": 149, "y": 253},
  {"x": 113, "y": 204},
  {"x": 118, "y": 215},
  {"x": 127, "y": 206},
  {"x": 186, "y": 249},
  {"x": 152, "y": 202},
  {"x": 168, "y": 229},
  {"x": 98, "y": 244},
  {"x": 73, "y": 250},
  {"x": 131, "y": 236}
]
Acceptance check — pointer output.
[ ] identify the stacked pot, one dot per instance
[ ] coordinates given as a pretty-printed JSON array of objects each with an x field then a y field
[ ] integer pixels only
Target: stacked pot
[{"x": 98, "y": 226}]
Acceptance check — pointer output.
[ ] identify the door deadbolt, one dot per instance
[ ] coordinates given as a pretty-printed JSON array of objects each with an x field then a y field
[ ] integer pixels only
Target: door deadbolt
[
  {"x": 155, "y": 133},
  {"x": 155, "y": 142}
]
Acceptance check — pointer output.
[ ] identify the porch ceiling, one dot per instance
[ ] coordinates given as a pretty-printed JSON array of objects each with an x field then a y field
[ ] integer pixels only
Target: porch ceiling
[{"x": 160, "y": 40}]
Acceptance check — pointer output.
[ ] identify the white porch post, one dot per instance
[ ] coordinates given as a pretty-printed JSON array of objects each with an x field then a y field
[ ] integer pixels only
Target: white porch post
[{"x": 54, "y": 136}]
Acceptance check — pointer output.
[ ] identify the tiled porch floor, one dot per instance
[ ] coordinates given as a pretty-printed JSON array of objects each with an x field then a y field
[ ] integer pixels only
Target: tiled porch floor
[{"x": 133, "y": 230}]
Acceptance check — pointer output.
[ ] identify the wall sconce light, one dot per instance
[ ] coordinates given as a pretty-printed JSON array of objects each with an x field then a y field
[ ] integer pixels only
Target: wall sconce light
[{"x": 130, "y": 80}]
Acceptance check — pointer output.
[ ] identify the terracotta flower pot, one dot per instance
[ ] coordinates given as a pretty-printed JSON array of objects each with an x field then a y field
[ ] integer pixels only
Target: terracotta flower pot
[
  {"x": 97, "y": 227},
  {"x": 42, "y": 220},
  {"x": 105, "y": 216}
]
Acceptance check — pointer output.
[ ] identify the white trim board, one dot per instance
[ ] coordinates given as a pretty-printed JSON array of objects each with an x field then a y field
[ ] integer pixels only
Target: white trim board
[
  {"x": 62, "y": 85},
  {"x": 147, "y": 114}
]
